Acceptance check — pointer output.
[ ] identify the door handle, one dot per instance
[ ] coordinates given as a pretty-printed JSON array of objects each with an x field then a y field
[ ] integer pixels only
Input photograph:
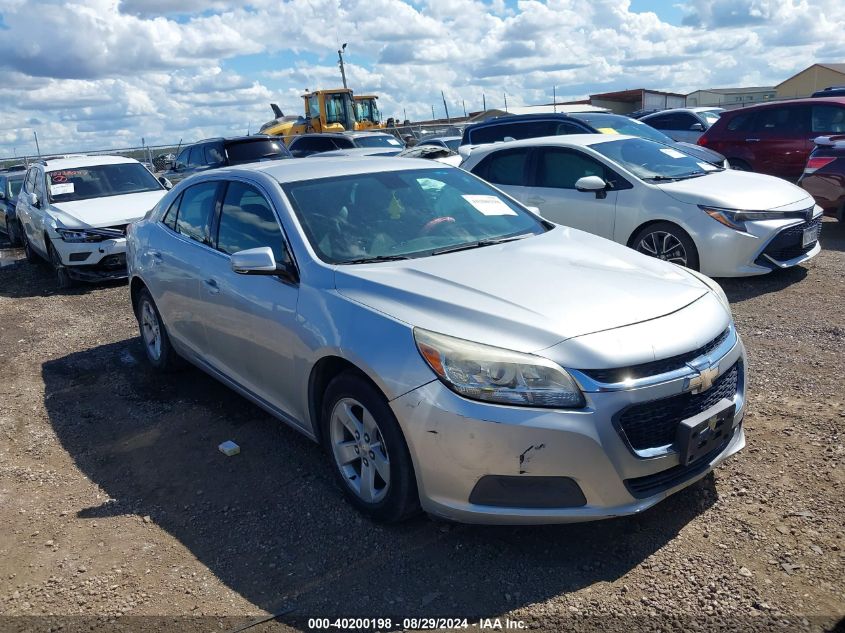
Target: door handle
[
  {"x": 211, "y": 286},
  {"x": 752, "y": 140}
]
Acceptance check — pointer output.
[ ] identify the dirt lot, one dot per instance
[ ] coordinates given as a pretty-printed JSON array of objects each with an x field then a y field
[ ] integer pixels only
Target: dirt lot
[{"x": 114, "y": 500}]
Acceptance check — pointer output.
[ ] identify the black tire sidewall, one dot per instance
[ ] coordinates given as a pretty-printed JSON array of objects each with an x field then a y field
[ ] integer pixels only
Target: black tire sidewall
[
  {"x": 402, "y": 499},
  {"x": 31, "y": 255},
  {"x": 63, "y": 279},
  {"x": 739, "y": 165},
  {"x": 679, "y": 233}
]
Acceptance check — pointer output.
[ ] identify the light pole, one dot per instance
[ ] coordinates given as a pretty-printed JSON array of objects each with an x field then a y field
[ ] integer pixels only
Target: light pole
[{"x": 340, "y": 63}]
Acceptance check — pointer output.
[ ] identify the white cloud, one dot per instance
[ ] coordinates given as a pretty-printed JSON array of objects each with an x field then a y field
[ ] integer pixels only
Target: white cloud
[{"x": 100, "y": 73}]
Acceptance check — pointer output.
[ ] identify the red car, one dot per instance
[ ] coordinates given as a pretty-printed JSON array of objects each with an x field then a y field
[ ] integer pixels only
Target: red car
[
  {"x": 775, "y": 138},
  {"x": 824, "y": 175}
]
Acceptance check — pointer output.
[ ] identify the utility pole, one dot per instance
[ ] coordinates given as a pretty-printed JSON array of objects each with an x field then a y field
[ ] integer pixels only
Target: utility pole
[
  {"x": 464, "y": 103},
  {"x": 445, "y": 107},
  {"x": 554, "y": 98},
  {"x": 506, "y": 101},
  {"x": 432, "y": 112},
  {"x": 483, "y": 103},
  {"x": 37, "y": 148},
  {"x": 404, "y": 114},
  {"x": 340, "y": 63}
]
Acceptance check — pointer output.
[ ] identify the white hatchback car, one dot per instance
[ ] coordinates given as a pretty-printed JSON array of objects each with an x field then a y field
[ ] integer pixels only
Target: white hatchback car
[
  {"x": 658, "y": 200},
  {"x": 74, "y": 213}
]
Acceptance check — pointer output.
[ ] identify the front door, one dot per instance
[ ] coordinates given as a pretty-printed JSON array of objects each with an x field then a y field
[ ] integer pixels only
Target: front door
[
  {"x": 781, "y": 140},
  {"x": 250, "y": 319},
  {"x": 556, "y": 170}
]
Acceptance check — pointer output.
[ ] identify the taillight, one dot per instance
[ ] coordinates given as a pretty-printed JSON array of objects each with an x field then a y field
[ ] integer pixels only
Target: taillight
[
  {"x": 702, "y": 140},
  {"x": 817, "y": 162}
]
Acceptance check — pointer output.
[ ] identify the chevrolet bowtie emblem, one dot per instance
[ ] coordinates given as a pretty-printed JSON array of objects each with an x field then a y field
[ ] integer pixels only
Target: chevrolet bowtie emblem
[{"x": 704, "y": 380}]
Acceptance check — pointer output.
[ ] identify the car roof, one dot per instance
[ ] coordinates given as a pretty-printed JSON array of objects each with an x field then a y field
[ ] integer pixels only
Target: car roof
[
  {"x": 696, "y": 109},
  {"x": 564, "y": 140},
  {"x": 295, "y": 170},
  {"x": 237, "y": 139},
  {"x": 526, "y": 117},
  {"x": 359, "y": 133},
  {"x": 775, "y": 104},
  {"x": 72, "y": 162}
]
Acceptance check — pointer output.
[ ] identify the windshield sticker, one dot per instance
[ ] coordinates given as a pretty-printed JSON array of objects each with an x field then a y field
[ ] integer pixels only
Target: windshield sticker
[
  {"x": 673, "y": 152},
  {"x": 707, "y": 167},
  {"x": 393, "y": 141},
  {"x": 607, "y": 130},
  {"x": 57, "y": 177},
  {"x": 61, "y": 189},
  {"x": 489, "y": 205}
]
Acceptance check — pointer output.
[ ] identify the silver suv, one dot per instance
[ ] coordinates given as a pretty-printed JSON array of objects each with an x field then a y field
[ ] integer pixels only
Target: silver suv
[
  {"x": 73, "y": 212},
  {"x": 450, "y": 349}
]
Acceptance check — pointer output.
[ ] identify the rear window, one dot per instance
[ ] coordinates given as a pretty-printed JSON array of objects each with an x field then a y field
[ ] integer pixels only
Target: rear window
[
  {"x": 515, "y": 130},
  {"x": 741, "y": 122},
  {"x": 378, "y": 141},
  {"x": 256, "y": 151},
  {"x": 506, "y": 167}
]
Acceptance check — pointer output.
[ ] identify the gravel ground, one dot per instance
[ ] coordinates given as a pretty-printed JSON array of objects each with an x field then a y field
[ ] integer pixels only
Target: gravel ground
[{"x": 117, "y": 508}]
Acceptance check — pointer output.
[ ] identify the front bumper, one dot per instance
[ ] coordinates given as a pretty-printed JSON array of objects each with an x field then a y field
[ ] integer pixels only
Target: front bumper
[
  {"x": 93, "y": 261},
  {"x": 455, "y": 442},
  {"x": 767, "y": 246}
]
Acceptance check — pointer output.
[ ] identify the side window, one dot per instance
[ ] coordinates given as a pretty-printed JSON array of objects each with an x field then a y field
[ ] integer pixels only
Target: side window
[
  {"x": 169, "y": 218},
  {"x": 570, "y": 128},
  {"x": 195, "y": 158},
  {"x": 828, "y": 119},
  {"x": 561, "y": 169},
  {"x": 248, "y": 221},
  {"x": 787, "y": 121},
  {"x": 27, "y": 183},
  {"x": 319, "y": 144},
  {"x": 214, "y": 155},
  {"x": 659, "y": 122},
  {"x": 344, "y": 143},
  {"x": 505, "y": 168},
  {"x": 196, "y": 210},
  {"x": 183, "y": 157},
  {"x": 741, "y": 122}
]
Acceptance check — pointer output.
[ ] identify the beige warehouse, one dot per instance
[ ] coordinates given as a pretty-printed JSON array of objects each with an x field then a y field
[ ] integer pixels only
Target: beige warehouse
[{"x": 816, "y": 77}]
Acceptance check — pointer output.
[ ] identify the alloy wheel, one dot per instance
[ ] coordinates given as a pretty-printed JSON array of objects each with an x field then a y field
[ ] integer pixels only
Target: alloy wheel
[
  {"x": 665, "y": 246},
  {"x": 151, "y": 330},
  {"x": 359, "y": 450}
]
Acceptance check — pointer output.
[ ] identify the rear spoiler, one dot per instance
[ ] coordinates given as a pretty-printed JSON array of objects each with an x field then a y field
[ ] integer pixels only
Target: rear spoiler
[{"x": 835, "y": 140}]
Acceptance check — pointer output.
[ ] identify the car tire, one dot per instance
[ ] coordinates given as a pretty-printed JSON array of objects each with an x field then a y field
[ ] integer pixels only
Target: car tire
[
  {"x": 739, "y": 164},
  {"x": 63, "y": 279},
  {"x": 154, "y": 337},
  {"x": 668, "y": 242},
  {"x": 31, "y": 256},
  {"x": 14, "y": 233},
  {"x": 367, "y": 449}
]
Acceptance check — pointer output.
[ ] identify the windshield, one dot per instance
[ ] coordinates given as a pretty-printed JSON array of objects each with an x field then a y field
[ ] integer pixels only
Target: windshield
[
  {"x": 710, "y": 117},
  {"x": 618, "y": 124},
  {"x": 652, "y": 161},
  {"x": 377, "y": 140},
  {"x": 13, "y": 186},
  {"x": 254, "y": 151},
  {"x": 98, "y": 181},
  {"x": 399, "y": 214},
  {"x": 367, "y": 110},
  {"x": 336, "y": 109}
]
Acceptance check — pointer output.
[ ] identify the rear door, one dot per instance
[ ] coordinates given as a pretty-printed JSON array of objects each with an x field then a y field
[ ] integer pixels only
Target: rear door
[
  {"x": 182, "y": 237},
  {"x": 781, "y": 139},
  {"x": 556, "y": 170},
  {"x": 508, "y": 170}
]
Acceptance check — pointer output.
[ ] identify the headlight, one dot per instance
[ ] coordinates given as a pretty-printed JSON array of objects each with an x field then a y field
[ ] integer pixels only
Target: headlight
[
  {"x": 89, "y": 235},
  {"x": 736, "y": 218},
  {"x": 715, "y": 287},
  {"x": 492, "y": 374}
]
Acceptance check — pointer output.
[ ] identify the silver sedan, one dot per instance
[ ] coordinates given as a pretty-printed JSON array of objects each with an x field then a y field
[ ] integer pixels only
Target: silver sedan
[{"x": 451, "y": 350}]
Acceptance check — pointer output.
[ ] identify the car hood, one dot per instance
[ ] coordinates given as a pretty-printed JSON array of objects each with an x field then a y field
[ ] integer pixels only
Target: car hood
[
  {"x": 108, "y": 211},
  {"x": 525, "y": 295},
  {"x": 732, "y": 189}
]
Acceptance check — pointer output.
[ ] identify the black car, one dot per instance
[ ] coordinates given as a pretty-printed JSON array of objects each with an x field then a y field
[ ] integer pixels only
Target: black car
[
  {"x": 308, "y": 144},
  {"x": 830, "y": 91},
  {"x": 533, "y": 125},
  {"x": 225, "y": 152},
  {"x": 10, "y": 185}
]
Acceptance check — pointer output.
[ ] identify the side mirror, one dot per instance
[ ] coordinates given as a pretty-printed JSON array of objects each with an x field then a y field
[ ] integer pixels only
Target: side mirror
[
  {"x": 165, "y": 182},
  {"x": 592, "y": 183},
  {"x": 34, "y": 201},
  {"x": 260, "y": 261},
  {"x": 696, "y": 127}
]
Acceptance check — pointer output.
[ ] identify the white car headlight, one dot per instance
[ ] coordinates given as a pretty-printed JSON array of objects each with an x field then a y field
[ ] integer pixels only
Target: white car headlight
[{"x": 492, "y": 374}]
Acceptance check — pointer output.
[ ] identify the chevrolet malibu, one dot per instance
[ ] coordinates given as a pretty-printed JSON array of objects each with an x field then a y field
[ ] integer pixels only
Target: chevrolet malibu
[{"x": 452, "y": 351}]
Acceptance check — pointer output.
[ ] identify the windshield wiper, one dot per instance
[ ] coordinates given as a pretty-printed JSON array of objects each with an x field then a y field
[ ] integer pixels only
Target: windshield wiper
[
  {"x": 662, "y": 178},
  {"x": 478, "y": 244},
  {"x": 376, "y": 258}
]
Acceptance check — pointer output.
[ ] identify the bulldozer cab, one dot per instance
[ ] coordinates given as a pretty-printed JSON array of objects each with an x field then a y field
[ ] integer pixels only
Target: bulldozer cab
[
  {"x": 367, "y": 114},
  {"x": 330, "y": 110}
]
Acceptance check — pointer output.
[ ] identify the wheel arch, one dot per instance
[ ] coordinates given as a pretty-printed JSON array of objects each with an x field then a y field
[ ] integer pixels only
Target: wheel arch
[
  {"x": 630, "y": 242},
  {"x": 136, "y": 285},
  {"x": 322, "y": 373}
]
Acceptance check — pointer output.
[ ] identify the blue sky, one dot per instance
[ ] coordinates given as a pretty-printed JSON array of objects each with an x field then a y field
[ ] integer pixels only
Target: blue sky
[{"x": 104, "y": 73}]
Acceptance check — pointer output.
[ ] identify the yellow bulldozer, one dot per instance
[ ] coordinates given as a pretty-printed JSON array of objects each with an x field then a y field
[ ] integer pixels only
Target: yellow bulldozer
[
  {"x": 325, "y": 111},
  {"x": 367, "y": 115}
]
